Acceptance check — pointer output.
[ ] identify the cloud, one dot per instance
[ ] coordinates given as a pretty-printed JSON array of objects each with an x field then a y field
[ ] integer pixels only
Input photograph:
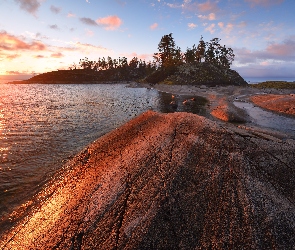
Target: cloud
[
  {"x": 174, "y": 5},
  {"x": 11, "y": 57},
  {"x": 188, "y": 5},
  {"x": 274, "y": 52},
  {"x": 39, "y": 56},
  {"x": 57, "y": 55},
  {"x": 30, "y": 6},
  {"x": 264, "y": 2},
  {"x": 71, "y": 15},
  {"x": 54, "y": 27},
  {"x": 122, "y": 3},
  {"x": 55, "y": 9},
  {"x": 89, "y": 33},
  {"x": 286, "y": 49},
  {"x": 109, "y": 22},
  {"x": 12, "y": 72},
  {"x": 207, "y": 6},
  {"x": 192, "y": 26},
  {"x": 210, "y": 28},
  {"x": 88, "y": 21},
  {"x": 210, "y": 17},
  {"x": 226, "y": 28},
  {"x": 145, "y": 57},
  {"x": 154, "y": 26},
  {"x": 89, "y": 48},
  {"x": 11, "y": 43}
]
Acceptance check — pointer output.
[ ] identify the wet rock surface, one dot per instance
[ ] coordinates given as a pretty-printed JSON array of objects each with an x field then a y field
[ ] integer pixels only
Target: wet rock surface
[{"x": 174, "y": 181}]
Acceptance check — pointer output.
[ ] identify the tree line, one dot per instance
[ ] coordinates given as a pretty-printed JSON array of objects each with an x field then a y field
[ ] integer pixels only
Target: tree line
[{"x": 168, "y": 56}]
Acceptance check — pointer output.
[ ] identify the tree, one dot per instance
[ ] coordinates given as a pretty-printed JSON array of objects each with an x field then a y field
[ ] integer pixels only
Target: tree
[
  {"x": 218, "y": 55},
  {"x": 110, "y": 63},
  {"x": 200, "y": 52},
  {"x": 86, "y": 64},
  {"x": 190, "y": 54},
  {"x": 133, "y": 63},
  {"x": 167, "y": 51},
  {"x": 226, "y": 57}
]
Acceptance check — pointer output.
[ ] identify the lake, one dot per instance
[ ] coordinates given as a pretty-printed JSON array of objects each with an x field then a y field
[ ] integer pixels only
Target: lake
[{"x": 44, "y": 125}]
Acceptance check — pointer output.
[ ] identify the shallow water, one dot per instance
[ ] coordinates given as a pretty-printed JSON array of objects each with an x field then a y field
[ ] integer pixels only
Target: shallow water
[
  {"x": 41, "y": 126},
  {"x": 268, "y": 119}
]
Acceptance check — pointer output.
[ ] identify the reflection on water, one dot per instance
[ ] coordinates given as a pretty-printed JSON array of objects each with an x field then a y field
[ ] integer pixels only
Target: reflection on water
[
  {"x": 182, "y": 103},
  {"x": 42, "y": 125}
]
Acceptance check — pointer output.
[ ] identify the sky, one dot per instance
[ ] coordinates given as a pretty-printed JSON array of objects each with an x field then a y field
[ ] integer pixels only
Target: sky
[{"x": 38, "y": 36}]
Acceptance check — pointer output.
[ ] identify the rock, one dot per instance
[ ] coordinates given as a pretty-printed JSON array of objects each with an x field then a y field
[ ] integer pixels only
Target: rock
[
  {"x": 167, "y": 181},
  {"x": 228, "y": 112},
  {"x": 279, "y": 103},
  {"x": 205, "y": 74}
]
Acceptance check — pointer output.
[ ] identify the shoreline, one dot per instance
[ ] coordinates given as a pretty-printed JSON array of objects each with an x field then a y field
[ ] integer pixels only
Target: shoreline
[
  {"x": 135, "y": 184},
  {"x": 221, "y": 99},
  {"x": 162, "y": 180}
]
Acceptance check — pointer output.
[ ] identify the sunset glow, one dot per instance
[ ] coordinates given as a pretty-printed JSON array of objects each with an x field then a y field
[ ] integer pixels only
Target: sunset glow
[{"x": 49, "y": 35}]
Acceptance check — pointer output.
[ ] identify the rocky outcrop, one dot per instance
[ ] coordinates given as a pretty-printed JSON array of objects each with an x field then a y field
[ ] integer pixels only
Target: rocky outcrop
[
  {"x": 205, "y": 74},
  {"x": 279, "y": 103},
  {"x": 228, "y": 112},
  {"x": 168, "y": 181}
]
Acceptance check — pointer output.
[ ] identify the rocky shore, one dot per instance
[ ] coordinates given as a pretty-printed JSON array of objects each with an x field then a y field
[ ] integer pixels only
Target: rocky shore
[
  {"x": 167, "y": 181},
  {"x": 279, "y": 103},
  {"x": 221, "y": 99}
]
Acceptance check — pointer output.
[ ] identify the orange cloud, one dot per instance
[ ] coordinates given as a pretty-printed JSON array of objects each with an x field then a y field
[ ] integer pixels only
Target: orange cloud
[
  {"x": 11, "y": 43},
  {"x": 154, "y": 26},
  {"x": 145, "y": 57},
  {"x": 57, "y": 55},
  {"x": 264, "y": 2},
  {"x": 11, "y": 57},
  {"x": 109, "y": 22},
  {"x": 211, "y": 28},
  {"x": 200, "y": 7},
  {"x": 89, "y": 48},
  {"x": 226, "y": 28},
  {"x": 192, "y": 26},
  {"x": 206, "y": 7},
  {"x": 284, "y": 49},
  {"x": 210, "y": 17}
]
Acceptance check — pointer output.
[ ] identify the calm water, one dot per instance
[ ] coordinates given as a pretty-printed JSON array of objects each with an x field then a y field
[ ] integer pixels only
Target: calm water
[
  {"x": 268, "y": 119},
  {"x": 41, "y": 126},
  {"x": 253, "y": 80}
]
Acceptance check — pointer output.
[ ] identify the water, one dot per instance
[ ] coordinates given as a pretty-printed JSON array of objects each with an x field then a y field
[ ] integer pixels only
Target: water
[
  {"x": 41, "y": 126},
  {"x": 254, "y": 80},
  {"x": 267, "y": 119}
]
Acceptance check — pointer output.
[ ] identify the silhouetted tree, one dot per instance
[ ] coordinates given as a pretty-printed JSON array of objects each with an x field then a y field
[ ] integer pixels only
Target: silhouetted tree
[
  {"x": 218, "y": 55},
  {"x": 167, "y": 51},
  {"x": 86, "y": 64},
  {"x": 110, "y": 63},
  {"x": 134, "y": 63},
  {"x": 200, "y": 52},
  {"x": 190, "y": 54}
]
